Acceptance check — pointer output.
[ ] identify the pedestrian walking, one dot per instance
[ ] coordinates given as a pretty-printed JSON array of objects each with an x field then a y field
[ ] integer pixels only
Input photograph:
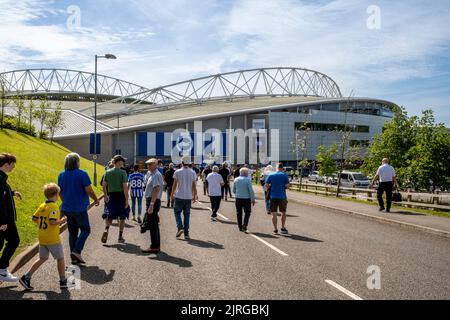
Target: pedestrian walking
[
  {"x": 205, "y": 174},
  {"x": 136, "y": 185},
  {"x": 215, "y": 184},
  {"x": 168, "y": 178},
  {"x": 184, "y": 191},
  {"x": 278, "y": 182},
  {"x": 268, "y": 170},
  {"x": 386, "y": 174},
  {"x": 76, "y": 189},
  {"x": 225, "y": 173},
  {"x": 153, "y": 193},
  {"x": 8, "y": 217},
  {"x": 245, "y": 198},
  {"x": 115, "y": 188},
  {"x": 48, "y": 218}
]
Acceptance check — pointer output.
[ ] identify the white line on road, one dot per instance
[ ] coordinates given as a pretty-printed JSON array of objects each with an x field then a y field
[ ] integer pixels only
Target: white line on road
[
  {"x": 256, "y": 237},
  {"x": 220, "y": 215},
  {"x": 342, "y": 289},
  {"x": 269, "y": 245}
]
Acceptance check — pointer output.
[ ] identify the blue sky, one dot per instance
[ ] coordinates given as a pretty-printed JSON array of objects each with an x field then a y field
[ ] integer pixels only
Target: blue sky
[{"x": 406, "y": 60}]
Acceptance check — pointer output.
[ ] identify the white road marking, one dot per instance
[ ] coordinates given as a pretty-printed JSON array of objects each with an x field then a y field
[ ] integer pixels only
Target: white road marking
[
  {"x": 342, "y": 289},
  {"x": 220, "y": 215},
  {"x": 256, "y": 237},
  {"x": 269, "y": 245}
]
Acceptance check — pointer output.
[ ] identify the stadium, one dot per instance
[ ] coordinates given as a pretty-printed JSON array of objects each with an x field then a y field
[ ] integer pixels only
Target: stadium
[{"x": 138, "y": 122}]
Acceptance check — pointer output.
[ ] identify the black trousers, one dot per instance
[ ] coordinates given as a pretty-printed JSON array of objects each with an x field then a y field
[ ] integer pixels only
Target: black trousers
[
  {"x": 385, "y": 187},
  {"x": 215, "y": 205},
  {"x": 246, "y": 206},
  {"x": 226, "y": 190},
  {"x": 12, "y": 242},
  {"x": 153, "y": 220}
]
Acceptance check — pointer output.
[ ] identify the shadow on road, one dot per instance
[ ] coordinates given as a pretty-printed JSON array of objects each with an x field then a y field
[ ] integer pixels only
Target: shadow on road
[
  {"x": 301, "y": 238},
  {"x": 205, "y": 244},
  {"x": 289, "y": 236},
  {"x": 95, "y": 275},
  {"x": 127, "y": 226},
  {"x": 182, "y": 263},
  {"x": 7, "y": 294},
  {"x": 200, "y": 208},
  {"x": 126, "y": 248},
  {"x": 407, "y": 213},
  {"x": 226, "y": 222}
]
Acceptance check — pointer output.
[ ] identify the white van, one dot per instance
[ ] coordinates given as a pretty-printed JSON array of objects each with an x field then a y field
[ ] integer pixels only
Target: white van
[{"x": 350, "y": 179}]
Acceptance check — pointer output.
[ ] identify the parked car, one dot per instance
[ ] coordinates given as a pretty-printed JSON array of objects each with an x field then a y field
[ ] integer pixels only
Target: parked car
[
  {"x": 352, "y": 179},
  {"x": 315, "y": 176},
  {"x": 332, "y": 179}
]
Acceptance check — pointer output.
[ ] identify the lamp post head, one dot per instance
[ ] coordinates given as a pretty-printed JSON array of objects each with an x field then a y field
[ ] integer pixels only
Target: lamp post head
[{"x": 110, "y": 56}]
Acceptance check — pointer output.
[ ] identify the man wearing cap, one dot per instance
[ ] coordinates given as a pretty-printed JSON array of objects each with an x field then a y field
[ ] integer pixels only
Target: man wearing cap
[
  {"x": 184, "y": 190},
  {"x": 153, "y": 193},
  {"x": 115, "y": 189}
]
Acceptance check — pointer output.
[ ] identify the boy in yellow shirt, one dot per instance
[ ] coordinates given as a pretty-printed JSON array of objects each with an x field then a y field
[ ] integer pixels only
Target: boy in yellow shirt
[{"x": 48, "y": 218}]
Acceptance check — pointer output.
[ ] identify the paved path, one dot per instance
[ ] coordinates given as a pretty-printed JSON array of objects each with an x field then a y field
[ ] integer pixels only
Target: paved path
[
  {"x": 396, "y": 214},
  {"x": 325, "y": 257}
]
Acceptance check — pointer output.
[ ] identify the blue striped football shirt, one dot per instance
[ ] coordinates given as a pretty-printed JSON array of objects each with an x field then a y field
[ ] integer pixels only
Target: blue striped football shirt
[{"x": 136, "y": 181}]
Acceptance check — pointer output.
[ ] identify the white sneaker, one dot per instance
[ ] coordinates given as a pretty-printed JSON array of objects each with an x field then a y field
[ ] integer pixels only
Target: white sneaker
[{"x": 6, "y": 276}]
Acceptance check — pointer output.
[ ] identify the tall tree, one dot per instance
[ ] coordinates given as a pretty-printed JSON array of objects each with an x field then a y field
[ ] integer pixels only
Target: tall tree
[
  {"x": 55, "y": 121},
  {"x": 325, "y": 158},
  {"x": 20, "y": 108},
  {"x": 397, "y": 138},
  {"x": 41, "y": 114},
  {"x": 299, "y": 146},
  {"x": 31, "y": 106}
]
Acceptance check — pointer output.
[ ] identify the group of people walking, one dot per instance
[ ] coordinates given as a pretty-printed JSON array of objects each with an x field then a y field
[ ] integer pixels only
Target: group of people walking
[{"x": 74, "y": 188}]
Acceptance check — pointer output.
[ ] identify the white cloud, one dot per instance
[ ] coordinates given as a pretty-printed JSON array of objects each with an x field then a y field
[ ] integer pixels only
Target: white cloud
[{"x": 183, "y": 39}]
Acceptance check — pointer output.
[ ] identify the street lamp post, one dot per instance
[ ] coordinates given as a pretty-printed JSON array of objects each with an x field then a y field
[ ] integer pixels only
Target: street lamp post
[{"x": 106, "y": 56}]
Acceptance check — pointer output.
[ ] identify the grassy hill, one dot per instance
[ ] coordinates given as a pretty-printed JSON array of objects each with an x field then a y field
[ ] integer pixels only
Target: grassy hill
[{"x": 38, "y": 162}]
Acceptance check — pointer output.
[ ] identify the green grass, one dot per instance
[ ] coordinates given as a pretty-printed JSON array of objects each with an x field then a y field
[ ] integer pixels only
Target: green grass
[{"x": 38, "y": 162}]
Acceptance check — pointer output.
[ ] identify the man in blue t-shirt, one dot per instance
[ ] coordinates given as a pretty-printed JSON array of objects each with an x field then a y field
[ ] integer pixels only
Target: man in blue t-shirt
[
  {"x": 278, "y": 183},
  {"x": 136, "y": 184}
]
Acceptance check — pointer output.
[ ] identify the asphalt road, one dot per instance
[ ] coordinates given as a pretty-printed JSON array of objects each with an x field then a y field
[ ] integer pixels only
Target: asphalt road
[{"x": 326, "y": 256}]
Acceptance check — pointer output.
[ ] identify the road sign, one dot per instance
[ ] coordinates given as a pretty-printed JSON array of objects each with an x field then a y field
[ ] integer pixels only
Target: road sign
[{"x": 98, "y": 142}]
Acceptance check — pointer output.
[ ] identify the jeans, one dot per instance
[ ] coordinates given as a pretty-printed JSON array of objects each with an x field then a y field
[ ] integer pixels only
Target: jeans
[
  {"x": 169, "y": 201},
  {"x": 385, "y": 187},
  {"x": 12, "y": 242},
  {"x": 133, "y": 205},
  {"x": 77, "y": 221},
  {"x": 246, "y": 205},
  {"x": 153, "y": 219},
  {"x": 185, "y": 206},
  {"x": 215, "y": 204}
]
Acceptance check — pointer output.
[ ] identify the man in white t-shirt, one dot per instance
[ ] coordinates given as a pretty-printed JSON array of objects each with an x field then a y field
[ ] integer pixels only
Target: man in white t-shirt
[
  {"x": 215, "y": 184},
  {"x": 386, "y": 173},
  {"x": 184, "y": 191}
]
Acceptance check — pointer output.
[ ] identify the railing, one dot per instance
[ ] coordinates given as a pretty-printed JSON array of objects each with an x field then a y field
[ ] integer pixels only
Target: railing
[{"x": 367, "y": 194}]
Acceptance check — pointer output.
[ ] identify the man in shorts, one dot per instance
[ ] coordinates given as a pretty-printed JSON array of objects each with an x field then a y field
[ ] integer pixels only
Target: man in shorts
[
  {"x": 115, "y": 189},
  {"x": 278, "y": 182}
]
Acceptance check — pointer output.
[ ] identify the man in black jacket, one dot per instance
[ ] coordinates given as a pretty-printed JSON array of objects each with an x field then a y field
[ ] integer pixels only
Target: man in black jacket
[{"x": 8, "y": 217}]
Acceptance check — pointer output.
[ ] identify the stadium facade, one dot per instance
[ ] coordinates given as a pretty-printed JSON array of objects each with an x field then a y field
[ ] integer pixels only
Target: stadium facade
[{"x": 140, "y": 123}]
